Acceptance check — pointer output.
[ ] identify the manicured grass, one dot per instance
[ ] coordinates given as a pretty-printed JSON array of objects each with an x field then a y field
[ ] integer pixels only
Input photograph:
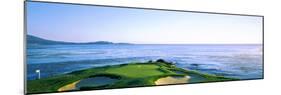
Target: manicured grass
[
  {"x": 128, "y": 75},
  {"x": 136, "y": 70}
]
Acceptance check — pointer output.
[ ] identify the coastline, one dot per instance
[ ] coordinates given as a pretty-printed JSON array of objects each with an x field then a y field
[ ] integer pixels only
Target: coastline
[{"x": 148, "y": 73}]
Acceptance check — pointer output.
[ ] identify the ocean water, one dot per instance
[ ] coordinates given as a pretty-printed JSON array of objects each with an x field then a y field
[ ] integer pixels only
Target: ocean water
[{"x": 238, "y": 61}]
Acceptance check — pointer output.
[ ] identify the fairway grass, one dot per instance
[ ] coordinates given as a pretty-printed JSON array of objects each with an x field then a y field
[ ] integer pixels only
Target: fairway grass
[{"x": 127, "y": 75}]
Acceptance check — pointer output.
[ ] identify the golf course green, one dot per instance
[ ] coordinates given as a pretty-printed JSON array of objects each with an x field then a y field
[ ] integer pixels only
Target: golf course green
[{"x": 148, "y": 73}]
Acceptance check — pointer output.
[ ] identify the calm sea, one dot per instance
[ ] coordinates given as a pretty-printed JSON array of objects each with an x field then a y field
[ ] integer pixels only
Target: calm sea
[{"x": 238, "y": 61}]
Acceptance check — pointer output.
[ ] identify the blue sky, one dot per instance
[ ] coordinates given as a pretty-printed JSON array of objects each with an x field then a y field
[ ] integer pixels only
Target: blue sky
[{"x": 77, "y": 23}]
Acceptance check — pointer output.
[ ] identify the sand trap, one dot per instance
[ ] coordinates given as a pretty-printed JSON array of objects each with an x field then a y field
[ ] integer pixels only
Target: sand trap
[
  {"x": 88, "y": 82},
  {"x": 172, "y": 80},
  {"x": 68, "y": 87}
]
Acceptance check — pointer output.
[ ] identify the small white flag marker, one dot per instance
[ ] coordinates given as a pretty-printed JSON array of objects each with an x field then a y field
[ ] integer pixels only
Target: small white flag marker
[{"x": 38, "y": 71}]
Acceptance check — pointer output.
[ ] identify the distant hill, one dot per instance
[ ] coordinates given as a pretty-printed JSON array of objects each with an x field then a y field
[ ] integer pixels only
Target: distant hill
[
  {"x": 36, "y": 40},
  {"x": 99, "y": 42}
]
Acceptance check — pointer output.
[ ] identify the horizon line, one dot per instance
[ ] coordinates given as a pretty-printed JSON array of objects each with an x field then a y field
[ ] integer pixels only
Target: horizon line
[{"x": 151, "y": 43}]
